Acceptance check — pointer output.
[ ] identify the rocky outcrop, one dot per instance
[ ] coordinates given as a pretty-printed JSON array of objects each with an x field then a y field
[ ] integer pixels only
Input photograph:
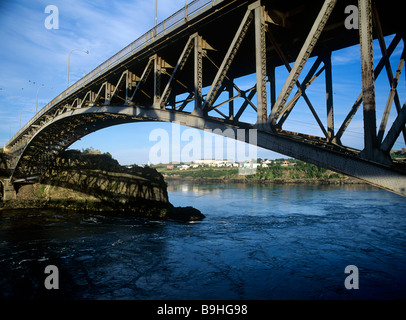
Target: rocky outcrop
[
  {"x": 92, "y": 182},
  {"x": 3, "y": 165},
  {"x": 102, "y": 177}
]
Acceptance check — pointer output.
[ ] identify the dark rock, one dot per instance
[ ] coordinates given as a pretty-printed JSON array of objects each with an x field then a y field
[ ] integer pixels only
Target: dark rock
[{"x": 185, "y": 214}]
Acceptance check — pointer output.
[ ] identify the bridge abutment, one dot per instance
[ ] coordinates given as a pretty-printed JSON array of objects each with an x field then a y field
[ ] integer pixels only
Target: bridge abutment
[{"x": 7, "y": 190}]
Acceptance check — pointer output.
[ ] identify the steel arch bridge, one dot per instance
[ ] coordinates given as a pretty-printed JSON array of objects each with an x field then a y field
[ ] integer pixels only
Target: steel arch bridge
[{"x": 185, "y": 69}]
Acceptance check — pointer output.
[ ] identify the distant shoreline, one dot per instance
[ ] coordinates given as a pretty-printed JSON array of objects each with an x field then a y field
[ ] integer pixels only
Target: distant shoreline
[
  {"x": 280, "y": 171},
  {"x": 265, "y": 181}
]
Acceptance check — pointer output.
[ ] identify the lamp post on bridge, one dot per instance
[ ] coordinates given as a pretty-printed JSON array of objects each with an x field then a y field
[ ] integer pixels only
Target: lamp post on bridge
[
  {"x": 156, "y": 8},
  {"x": 36, "y": 106},
  {"x": 87, "y": 52}
]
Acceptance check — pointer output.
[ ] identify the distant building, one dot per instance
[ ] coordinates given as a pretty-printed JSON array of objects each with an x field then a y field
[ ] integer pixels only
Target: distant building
[
  {"x": 250, "y": 165},
  {"x": 266, "y": 163},
  {"x": 215, "y": 162},
  {"x": 95, "y": 152},
  {"x": 209, "y": 162},
  {"x": 285, "y": 163}
]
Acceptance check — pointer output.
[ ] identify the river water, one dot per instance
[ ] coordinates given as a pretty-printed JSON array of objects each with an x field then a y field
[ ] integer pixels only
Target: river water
[{"x": 257, "y": 242}]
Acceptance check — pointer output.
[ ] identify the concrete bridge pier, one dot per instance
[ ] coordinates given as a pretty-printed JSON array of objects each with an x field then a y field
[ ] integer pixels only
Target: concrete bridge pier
[{"x": 7, "y": 190}]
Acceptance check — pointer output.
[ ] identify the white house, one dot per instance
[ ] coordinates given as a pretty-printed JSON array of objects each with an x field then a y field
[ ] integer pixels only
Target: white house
[{"x": 215, "y": 162}]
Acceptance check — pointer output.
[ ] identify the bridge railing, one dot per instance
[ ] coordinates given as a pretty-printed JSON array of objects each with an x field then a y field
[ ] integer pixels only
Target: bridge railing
[{"x": 160, "y": 29}]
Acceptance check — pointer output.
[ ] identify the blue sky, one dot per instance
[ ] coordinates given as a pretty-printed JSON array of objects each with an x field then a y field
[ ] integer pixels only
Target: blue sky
[{"x": 31, "y": 56}]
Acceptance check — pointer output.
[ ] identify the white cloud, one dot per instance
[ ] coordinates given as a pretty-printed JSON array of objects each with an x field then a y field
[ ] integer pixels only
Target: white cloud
[{"x": 346, "y": 56}]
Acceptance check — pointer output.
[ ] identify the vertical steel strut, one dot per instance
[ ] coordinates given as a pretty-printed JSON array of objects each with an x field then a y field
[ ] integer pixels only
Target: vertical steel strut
[
  {"x": 260, "y": 61},
  {"x": 368, "y": 80}
]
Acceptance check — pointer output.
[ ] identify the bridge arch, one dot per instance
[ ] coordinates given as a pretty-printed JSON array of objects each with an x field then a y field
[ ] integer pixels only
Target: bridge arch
[{"x": 66, "y": 128}]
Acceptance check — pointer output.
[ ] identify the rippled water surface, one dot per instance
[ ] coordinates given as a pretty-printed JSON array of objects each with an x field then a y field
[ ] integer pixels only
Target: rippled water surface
[{"x": 257, "y": 242}]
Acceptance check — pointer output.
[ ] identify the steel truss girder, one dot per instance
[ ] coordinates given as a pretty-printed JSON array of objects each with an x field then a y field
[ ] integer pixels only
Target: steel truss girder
[
  {"x": 282, "y": 108},
  {"x": 179, "y": 66},
  {"x": 228, "y": 59},
  {"x": 393, "y": 45},
  {"x": 261, "y": 67},
  {"x": 368, "y": 81},
  {"x": 302, "y": 58}
]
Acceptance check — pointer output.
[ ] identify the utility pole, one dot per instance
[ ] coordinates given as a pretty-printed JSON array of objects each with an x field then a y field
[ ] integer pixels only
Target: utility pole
[{"x": 156, "y": 9}]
